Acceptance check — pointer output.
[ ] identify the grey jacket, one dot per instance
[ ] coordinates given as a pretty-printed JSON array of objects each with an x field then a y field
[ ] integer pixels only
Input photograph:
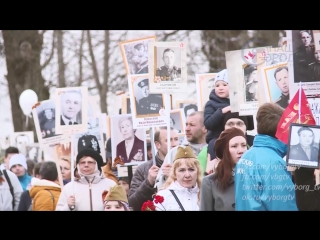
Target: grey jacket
[
  {"x": 213, "y": 199},
  {"x": 140, "y": 189}
]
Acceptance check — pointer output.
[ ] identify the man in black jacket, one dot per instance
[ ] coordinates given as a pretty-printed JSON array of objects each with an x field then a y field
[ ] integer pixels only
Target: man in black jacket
[{"x": 143, "y": 180}]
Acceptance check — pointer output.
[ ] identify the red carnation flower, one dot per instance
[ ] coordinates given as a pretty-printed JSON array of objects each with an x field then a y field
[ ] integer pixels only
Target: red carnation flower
[{"x": 158, "y": 199}]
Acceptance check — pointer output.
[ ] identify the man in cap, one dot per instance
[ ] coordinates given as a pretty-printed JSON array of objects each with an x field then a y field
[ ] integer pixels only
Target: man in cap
[
  {"x": 281, "y": 75},
  {"x": 48, "y": 126},
  {"x": 168, "y": 72},
  {"x": 150, "y": 103},
  {"x": 140, "y": 59}
]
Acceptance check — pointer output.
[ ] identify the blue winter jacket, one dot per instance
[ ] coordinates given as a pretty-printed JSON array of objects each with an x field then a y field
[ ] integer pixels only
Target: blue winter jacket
[{"x": 262, "y": 181}]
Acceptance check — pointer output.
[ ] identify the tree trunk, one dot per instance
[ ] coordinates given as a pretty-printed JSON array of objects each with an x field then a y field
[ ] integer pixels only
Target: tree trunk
[
  {"x": 61, "y": 65},
  {"x": 105, "y": 86},
  {"x": 22, "y": 50},
  {"x": 80, "y": 59}
]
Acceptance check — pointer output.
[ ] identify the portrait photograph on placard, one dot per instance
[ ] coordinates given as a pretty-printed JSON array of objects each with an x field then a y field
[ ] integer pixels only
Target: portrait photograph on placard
[
  {"x": 126, "y": 105},
  {"x": 204, "y": 84},
  {"x": 177, "y": 120},
  {"x": 104, "y": 121},
  {"x": 135, "y": 54},
  {"x": 314, "y": 104},
  {"x": 273, "y": 57},
  {"x": 128, "y": 143},
  {"x": 243, "y": 80},
  {"x": 304, "y": 144},
  {"x": 148, "y": 108},
  {"x": 94, "y": 109},
  {"x": 168, "y": 67},
  {"x": 188, "y": 107},
  {"x": 33, "y": 152},
  {"x": 21, "y": 139},
  {"x": 45, "y": 123},
  {"x": 71, "y": 110},
  {"x": 306, "y": 62},
  {"x": 275, "y": 79},
  {"x": 93, "y": 139}
]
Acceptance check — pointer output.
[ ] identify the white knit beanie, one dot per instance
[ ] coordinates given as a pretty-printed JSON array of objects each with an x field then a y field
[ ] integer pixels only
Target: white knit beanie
[
  {"x": 222, "y": 76},
  {"x": 18, "y": 159}
]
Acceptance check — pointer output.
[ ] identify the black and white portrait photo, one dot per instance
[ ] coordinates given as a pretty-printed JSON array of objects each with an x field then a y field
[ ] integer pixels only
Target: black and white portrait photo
[
  {"x": 168, "y": 64},
  {"x": 128, "y": 144},
  {"x": 21, "y": 139},
  {"x": 93, "y": 138},
  {"x": 33, "y": 152},
  {"x": 304, "y": 146},
  {"x": 251, "y": 83},
  {"x": 45, "y": 123},
  {"x": 71, "y": 109},
  {"x": 188, "y": 107},
  {"x": 146, "y": 103},
  {"x": 306, "y": 60},
  {"x": 135, "y": 55},
  {"x": 177, "y": 120}
]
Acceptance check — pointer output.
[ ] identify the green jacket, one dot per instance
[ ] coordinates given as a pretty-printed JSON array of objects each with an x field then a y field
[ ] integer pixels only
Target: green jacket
[{"x": 202, "y": 158}]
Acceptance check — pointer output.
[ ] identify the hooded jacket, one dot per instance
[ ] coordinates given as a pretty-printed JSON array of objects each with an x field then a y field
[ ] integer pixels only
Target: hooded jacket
[
  {"x": 262, "y": 181},
  {"x": 45, "y": 194}
]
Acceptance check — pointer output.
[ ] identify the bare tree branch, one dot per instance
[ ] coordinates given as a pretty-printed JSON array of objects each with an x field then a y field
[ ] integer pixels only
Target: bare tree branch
[
  {"x": 93, "y": 61},
  {"x": 80, "y": 59},
  {"x": 45, "y": 64}
]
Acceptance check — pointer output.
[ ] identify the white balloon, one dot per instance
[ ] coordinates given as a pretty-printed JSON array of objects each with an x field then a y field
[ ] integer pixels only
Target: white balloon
[{"x": 27, "y": 99}]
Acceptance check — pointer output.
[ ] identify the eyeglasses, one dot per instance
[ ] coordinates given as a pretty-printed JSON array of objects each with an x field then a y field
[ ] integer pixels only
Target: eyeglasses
[{"x": 87, "y": 163}]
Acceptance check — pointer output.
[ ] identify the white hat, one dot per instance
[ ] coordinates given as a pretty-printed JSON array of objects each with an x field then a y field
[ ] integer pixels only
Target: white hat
[
  {"x": 222, "y": 76},
  {"x": 18, "y": 159}
]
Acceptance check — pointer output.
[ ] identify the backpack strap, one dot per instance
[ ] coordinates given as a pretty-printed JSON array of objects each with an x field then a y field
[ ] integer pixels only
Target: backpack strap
[
  {"x": 177, "y": 199},
  {"x": 51, "y": 197},
  {"x": 10, "y": 186}
]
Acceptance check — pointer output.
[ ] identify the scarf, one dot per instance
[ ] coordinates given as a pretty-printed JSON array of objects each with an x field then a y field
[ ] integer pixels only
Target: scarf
[
  {"x": 25, "y": 180},
  {"x": 92, "y": 178},
  {"x": 159, "y": 161}
]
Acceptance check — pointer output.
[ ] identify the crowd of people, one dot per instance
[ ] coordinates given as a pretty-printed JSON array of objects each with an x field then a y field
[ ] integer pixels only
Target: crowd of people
[{"x": 218, "y": 167}]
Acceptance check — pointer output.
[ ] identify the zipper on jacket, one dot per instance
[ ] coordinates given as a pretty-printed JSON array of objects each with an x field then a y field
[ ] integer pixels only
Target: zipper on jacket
[{"x": 90, "y": 193}]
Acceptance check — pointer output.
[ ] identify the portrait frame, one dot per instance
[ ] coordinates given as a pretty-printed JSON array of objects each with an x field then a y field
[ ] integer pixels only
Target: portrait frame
[
  {"x": 296, "y": 149},
  {"x": 316, "y": 39},
  {"x": 271, "y": 91},
  {"x": 177, "y": 82},
  {"x": 37, "y": 157},
  {"x": 153, "y": 118},
  {"x": 272, "y": 56},
  {"x": 126, "y": 105},
  {"x": 94, "y": 109},
  {"x": 92, "y": 136},
  {"x": 27, "y": 139},
  {"x": 39, "y": 123},
  {"x": 238, "y": 66},
  {"x": 81, "y": 116},
  {"x": 179, "y": 119},
  {"x": 314, "y": 104},
  {"x": 123, "y": 170},
  {"x": 118, "y": 141},
  {"x": 126, "y": 48},
  {"x": 298, "y": 73},
  {"x": 203, "y": 91}
]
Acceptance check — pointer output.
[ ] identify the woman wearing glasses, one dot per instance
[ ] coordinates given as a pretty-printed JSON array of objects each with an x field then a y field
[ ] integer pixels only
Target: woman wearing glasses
[{"x": 84, "y": 193}]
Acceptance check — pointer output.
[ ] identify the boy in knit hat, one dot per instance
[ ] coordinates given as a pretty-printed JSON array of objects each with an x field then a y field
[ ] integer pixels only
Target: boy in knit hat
[
  {"x": 18, "y": 165},
  {"x": 116, "y": 199}
]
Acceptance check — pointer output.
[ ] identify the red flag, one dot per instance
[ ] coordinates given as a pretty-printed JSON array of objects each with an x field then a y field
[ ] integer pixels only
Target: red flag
[{"x": 291, "y": 115}]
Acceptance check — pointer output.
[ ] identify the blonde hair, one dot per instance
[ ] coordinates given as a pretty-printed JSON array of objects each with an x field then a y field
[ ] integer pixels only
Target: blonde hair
[
  {"x": 190, "y": 162},
  {"x": 67, "y": 159}
]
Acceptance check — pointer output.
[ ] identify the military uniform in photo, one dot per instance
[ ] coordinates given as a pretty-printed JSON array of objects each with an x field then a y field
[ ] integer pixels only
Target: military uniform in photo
[
  {"x": 167, "y": 74},
  {"x": 283, "y": 101},
  {"x": 48, "y": 126},
  {"x": 298, "y": 153},
  {"x": 88, "y": 141},
  {"x": 314, "y": 70},
  {"x": 302, "y": 58},
  {"x": 143, "y": 68},
  {"x": 150, "y": 104}
]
